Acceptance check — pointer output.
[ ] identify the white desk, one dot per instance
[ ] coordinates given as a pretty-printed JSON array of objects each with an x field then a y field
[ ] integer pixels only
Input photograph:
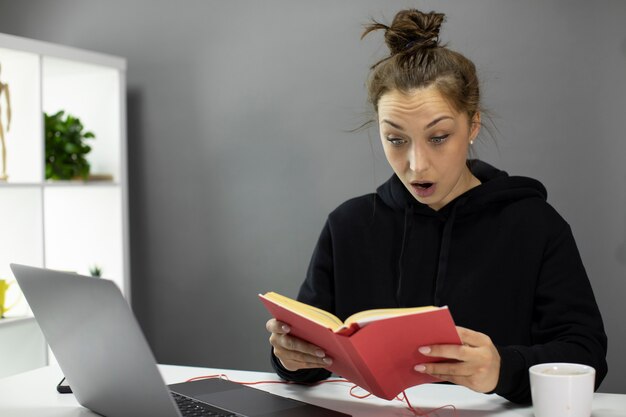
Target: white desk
[{"x": 33, "y": 394}]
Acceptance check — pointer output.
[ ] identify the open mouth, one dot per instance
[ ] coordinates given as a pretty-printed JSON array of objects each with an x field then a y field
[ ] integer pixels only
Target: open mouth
[{"x": 424, "y": 189}]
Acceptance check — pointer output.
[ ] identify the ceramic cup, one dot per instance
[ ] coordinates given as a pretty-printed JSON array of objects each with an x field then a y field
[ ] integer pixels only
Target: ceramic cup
[{"x": 562, "y": 389}]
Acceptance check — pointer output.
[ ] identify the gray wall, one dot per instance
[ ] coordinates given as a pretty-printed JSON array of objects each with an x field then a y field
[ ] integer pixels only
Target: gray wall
[{"x": 239, "y": 113}]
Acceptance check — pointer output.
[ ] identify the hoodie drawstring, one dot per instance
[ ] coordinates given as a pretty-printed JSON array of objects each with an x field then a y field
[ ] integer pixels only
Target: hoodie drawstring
[
  {"x": 408, "y": 213},
  {"x": 444, "y": 252}
]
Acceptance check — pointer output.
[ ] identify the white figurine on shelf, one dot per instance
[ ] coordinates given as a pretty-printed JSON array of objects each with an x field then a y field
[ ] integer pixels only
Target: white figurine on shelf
[{"x": 4, "y": 90}]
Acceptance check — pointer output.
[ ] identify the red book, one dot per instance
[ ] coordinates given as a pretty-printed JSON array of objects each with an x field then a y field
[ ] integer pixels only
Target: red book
[{"x": 375, "y": 349}]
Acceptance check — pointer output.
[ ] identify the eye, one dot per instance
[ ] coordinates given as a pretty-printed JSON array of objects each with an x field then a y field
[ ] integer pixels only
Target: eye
[
  {"x": 438, "y": 140},
  {"x": 396, "y": 141}
]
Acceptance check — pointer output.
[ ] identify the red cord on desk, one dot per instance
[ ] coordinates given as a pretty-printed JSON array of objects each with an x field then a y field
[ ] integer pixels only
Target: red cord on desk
[{"x": 404, "y": 398}]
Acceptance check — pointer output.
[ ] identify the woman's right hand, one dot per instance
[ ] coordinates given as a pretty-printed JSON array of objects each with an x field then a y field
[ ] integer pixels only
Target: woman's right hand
[{"x": 292, "y": 352}]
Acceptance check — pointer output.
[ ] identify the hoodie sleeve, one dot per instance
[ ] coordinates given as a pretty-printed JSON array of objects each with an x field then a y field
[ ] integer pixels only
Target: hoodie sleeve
[
  {"x": 302, "y": 376},
  {"x": 317, "y": 291},
  {"x": 567, "y": 325}
]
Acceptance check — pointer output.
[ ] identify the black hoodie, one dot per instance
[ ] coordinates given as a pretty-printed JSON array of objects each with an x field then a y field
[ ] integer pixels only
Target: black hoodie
[{"x": 502, "y": 259}]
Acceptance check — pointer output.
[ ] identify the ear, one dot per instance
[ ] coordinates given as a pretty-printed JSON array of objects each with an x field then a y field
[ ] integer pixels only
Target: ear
[{"x": 475, "y": 126}]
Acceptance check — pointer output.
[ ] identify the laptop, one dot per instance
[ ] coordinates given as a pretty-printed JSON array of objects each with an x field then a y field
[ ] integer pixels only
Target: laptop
[{"x": 109, "y": 365}]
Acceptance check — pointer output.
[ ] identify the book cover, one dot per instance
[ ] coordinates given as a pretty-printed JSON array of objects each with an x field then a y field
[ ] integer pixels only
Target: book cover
[{"x": 375, "y": 349}]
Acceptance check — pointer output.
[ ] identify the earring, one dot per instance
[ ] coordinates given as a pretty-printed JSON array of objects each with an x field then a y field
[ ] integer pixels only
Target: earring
[{"x": 471, "y": 142}]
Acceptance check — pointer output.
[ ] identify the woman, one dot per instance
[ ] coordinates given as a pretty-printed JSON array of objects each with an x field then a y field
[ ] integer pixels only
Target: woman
[{"x": 445, "y": 230}]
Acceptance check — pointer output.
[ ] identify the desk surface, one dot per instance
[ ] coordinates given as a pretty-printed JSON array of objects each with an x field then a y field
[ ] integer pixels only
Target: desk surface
[{"x": 33, "y": 394}]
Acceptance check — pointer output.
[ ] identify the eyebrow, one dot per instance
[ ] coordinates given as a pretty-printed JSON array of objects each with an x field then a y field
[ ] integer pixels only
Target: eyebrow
[
  {"x": 429, "y": 125},
  {"x": 392, "y": 124},
  {"x": 437, "y": 120}
]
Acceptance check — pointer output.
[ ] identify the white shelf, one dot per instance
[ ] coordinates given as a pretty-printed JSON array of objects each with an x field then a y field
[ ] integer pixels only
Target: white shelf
[
  {"x": 76, "y": 237},
  {"x": 23, "y": 346},
  {"x": 10, "y": 321},
  {"x": 83, "y": 184},
  {"x": 21, "y": 222},
  {"x": 21, "y": 71},
  {"x": 66, "y": 225},
  {"x": 90, "y": 92}
]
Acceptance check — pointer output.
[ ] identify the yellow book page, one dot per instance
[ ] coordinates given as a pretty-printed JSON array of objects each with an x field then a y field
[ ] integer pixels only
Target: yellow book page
[
  {"x": 332, "y": 322},
  {"x": 315, "y": 314},
  {"x": 369, "y": 316}
]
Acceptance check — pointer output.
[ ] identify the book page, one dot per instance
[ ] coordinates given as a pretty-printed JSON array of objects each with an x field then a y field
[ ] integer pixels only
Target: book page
[
  {"x": 364, "y": 317},
  {"x": 315, "y": 314}
]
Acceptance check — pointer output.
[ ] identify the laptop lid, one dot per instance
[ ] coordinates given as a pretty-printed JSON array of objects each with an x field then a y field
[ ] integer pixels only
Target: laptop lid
[
  {"x": 108, "y": 363},
  {"x": 97, "y": 342}
]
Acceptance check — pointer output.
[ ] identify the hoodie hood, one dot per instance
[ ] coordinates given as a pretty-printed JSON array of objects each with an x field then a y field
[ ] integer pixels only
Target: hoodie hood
[{"x": 496, "y": 188}]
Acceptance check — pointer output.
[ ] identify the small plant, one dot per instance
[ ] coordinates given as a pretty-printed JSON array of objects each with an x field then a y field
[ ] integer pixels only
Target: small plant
[
  {"x": 66, "y": 147},
  {"x": 95, "y": 271}
]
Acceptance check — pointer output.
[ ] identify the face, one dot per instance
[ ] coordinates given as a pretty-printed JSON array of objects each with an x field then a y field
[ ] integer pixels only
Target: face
[{"x": 426, "y": 143}]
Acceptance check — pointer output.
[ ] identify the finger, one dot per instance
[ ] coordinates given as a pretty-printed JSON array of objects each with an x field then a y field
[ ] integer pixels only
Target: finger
[
  {"x": 445, "y": 370},
  {"x": 286, "y": 342},
  {"x": 456, "y": 352},
  {"x": 291, "y": 358},
  {"x": 291, "y": 365},
  {"x": 275, "y": 326},
  {"x": 458, "y": 380}
]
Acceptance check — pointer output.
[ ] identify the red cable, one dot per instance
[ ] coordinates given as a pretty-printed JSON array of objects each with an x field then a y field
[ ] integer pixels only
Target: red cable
[{"x": 404, "y": 398}]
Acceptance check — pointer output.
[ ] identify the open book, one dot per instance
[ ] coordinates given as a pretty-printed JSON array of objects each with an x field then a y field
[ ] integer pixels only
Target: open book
[{"x": 375, "y": 349}]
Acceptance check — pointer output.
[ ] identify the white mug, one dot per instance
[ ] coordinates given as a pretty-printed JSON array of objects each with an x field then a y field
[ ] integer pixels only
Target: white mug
[{"x": 562, "y": 389}]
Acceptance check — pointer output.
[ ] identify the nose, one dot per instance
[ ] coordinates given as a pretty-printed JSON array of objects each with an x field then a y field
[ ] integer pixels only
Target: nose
[{"x": 418, "y": 158}]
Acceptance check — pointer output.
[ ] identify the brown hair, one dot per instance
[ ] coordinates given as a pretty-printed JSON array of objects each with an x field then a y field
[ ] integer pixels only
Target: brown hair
[{"x": 417, "y": 60}]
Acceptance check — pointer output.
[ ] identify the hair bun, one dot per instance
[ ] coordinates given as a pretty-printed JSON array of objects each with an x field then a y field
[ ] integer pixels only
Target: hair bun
[{"x": 410, "y": 30}]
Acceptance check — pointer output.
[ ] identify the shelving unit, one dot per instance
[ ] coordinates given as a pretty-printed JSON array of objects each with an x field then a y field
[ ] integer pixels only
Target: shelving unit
[{"x": 65, "y": 225}]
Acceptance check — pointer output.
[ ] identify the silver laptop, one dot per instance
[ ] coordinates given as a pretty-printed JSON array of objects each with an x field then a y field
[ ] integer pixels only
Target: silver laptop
[{"x": 109, "y": 365}]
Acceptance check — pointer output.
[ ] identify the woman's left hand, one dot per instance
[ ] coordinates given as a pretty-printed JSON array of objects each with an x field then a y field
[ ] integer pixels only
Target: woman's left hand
[{"x": 475, "y": 364}]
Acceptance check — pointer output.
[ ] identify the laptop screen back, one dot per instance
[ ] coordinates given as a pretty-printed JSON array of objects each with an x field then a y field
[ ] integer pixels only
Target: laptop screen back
[{"x": 97, "y": 342}]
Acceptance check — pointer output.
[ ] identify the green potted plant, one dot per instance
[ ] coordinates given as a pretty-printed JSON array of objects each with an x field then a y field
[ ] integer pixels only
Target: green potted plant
[
  {"x": 95, "y": 271},
  {"x": 65, "y": 147}
]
